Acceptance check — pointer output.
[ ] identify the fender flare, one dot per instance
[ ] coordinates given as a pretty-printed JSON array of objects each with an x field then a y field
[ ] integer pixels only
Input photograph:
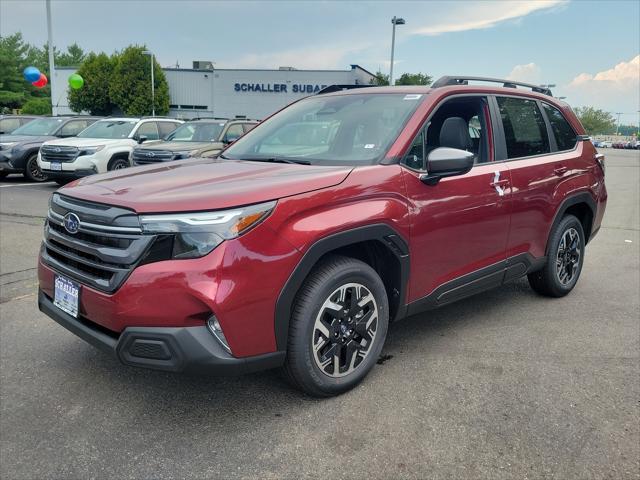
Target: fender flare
[
  {"x": 380, "y": 232},
  {"x": 575, "y": 199}
]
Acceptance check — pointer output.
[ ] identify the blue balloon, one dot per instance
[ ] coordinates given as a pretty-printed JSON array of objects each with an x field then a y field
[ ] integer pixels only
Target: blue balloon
[{"x": 31, "y": 74}]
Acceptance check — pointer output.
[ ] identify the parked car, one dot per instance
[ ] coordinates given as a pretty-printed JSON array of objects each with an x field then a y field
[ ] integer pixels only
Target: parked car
[
  {"x": 605, "y": 144},
  {"x": 198, "y": 138},
  {"x": 297, "y": 246},
  {"x": 19, "y": 151},
  {"x": 102, "y": 147},
  {"x": 596, "y": 143},
  {"x": 636, "y": 145},
  {"x": 8, "y": 123}
]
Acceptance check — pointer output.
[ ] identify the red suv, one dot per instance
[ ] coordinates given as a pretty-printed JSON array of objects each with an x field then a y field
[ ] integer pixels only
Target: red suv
[{"x": 339, "y": 214}]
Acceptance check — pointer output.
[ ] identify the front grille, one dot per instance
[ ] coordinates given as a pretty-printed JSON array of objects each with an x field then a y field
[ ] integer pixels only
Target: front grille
[
  {"x": 55, "y": 153},
  {"x": 105, "y": 250},
  {"x": 143, "y": 156}
]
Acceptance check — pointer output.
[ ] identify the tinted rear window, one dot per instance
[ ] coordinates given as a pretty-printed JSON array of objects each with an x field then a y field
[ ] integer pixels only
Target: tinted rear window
[
  {"x": 524, "y": 128},
  {"x": 566, "y": 138}
]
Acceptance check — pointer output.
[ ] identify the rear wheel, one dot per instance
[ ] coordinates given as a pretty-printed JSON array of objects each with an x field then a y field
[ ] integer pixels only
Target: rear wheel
[
  {"x": 564, "y": 260},
  {"x": 118, "y": 164},
  {"x": 338, "y": 327},
  {"x": 32, "y": 169}
]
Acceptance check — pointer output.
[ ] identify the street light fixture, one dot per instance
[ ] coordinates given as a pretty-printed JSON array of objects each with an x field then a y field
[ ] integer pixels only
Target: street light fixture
[
  {"x": 153, "y": 88},
  {"x": 395, "y": 21}
]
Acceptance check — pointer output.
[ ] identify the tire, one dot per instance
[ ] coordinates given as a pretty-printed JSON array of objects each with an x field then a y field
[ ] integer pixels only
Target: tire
[
  {"x": 565, "y": 258},
  {"x": 338, "y": 281},
  {"x": 32, "y": 171},
  {"x": 118, "y": 164}
]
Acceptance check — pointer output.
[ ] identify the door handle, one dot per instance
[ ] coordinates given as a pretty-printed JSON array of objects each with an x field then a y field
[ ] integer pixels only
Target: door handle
[
  {"x": 498, "y": 184},
  {"x": 559, "y": 171}
]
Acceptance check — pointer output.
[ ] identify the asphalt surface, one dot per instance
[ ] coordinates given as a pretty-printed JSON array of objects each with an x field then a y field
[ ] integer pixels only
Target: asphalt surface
[{"x": 503, "y": 385}]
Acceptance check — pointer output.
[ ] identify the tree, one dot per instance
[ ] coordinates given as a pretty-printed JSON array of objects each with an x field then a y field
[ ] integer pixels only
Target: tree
[
  {"x": 414, "y": 79},
  {"x": 73, "y": 57},
  {"x": 93, "y": 97},
  {"x": 380, "y": 79},
  {"x": 130, "y": 87},
  {"x": 596, "y": 122},
  {"x": 37, "y": 106},
  {"x": 13, "y": 88}
]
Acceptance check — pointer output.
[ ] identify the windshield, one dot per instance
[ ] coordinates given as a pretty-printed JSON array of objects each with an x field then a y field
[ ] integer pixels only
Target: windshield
[
  {"x": 42, "y": 126},
  {"x": 197, "y": 132},
  {"x": 109, "y": 129},
  {"x": 333, "y": 130}
]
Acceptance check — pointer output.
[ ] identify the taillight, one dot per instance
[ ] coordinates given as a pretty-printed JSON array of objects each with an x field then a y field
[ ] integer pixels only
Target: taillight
[{"x": 600, "y": 160}]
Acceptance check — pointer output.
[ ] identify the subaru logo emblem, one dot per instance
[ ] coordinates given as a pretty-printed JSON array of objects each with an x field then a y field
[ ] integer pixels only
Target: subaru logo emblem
[
  {"x": 57, "y": 149},
  {"x": 151, "y": 154},
  {"x": 71, "y": 223}
]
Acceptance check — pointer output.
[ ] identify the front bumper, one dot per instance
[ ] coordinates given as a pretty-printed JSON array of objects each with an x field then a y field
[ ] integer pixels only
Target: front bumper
[
  {"x": 68, "y": 174},
  {"x": 11, "y": 162},
  {"x": 174, "y": 349}
]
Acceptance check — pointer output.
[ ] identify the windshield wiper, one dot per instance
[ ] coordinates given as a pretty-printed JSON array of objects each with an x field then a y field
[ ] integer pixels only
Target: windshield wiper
[{"x": 281, "y": 160}]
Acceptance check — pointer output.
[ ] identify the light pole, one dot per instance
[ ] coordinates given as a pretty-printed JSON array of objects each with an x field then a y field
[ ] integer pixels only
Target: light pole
[
  {"x": 618, "y": 123},
  {"x": 153, "y": 88},
  {"x": 52, "y": 67},
  {"x": 395, "y": 21}
]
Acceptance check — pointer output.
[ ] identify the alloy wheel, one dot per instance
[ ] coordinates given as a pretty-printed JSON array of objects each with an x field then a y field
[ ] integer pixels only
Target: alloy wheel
[
  {"x": 344, "y": 330},
  {"x": 568, "y": 256},
  {"x": 35, "y": 173}
]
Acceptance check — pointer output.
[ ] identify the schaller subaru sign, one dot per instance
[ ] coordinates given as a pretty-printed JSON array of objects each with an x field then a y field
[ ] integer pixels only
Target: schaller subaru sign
[{"x": 278, "y": 87}]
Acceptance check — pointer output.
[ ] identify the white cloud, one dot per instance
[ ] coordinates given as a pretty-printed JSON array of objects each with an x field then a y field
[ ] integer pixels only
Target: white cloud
[
  {"x": 487, "y": 15},
  {"x": 615, "y": 89},
  {"x": 529, "y": 72}
]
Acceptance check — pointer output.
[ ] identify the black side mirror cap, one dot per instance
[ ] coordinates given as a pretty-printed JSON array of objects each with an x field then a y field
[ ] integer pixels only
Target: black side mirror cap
[
  {"x": 446, "y": 162},
  {"x": 141, "y": 139}
]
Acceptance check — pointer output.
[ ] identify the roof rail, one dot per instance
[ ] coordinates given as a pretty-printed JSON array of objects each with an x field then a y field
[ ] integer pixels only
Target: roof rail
[
  {"x": 338, "y": 88},
  {"x": 456, "y": 80}
]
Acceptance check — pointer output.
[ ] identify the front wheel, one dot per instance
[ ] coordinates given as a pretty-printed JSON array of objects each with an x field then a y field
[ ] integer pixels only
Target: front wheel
[
  {"x": 117, "y": 164},
  {"x": 32, "y": 170},
  {"x": 564, "y": 260},
  {"x": 338, "y": 327}
]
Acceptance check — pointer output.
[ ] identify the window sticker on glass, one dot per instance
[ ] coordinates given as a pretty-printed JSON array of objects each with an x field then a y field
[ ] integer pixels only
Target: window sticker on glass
[
  {"x": 370, "y": 145},
  {"x": 412, "y": 96}
]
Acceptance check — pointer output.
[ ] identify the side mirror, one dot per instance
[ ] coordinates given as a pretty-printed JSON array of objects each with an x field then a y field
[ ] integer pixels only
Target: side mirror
[
  {"x": 141, "y": 139},
  {"x": 446, "y": 162}
]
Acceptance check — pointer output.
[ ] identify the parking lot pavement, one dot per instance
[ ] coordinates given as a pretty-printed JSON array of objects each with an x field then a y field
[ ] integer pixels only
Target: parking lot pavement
[{"x": 503, "y": 385}]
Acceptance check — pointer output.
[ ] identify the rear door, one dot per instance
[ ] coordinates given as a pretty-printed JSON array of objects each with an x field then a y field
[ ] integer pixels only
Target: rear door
[
  {"x": 541, "y": 148},
  {"x": 459, "y": 226}
]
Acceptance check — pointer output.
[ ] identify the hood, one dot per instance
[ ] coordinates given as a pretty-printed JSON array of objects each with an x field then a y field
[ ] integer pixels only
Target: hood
[
  {"x": 181, "y": 146},
  {"x": 203, "y": 184},
  {"x": 89, "y": 142},
  {"x": 25, "y": 138}
]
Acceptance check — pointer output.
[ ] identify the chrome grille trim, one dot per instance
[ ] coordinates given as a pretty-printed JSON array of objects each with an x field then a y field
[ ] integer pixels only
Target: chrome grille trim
[{"x": 55, "y": 153}]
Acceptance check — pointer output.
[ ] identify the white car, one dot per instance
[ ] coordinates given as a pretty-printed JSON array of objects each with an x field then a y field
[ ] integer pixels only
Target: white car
[
  {"x": 102, "y": 147},
  {"x": 605, "y": 145}
]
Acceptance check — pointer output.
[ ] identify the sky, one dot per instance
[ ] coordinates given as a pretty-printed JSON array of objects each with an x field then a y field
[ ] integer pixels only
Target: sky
[{"x": 589, "y": 49}]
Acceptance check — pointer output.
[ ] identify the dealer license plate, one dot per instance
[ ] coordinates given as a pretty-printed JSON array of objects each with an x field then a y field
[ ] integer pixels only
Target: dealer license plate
[
  {"x": 66, "y": 295},
  {"x": 56, "y": 166}
]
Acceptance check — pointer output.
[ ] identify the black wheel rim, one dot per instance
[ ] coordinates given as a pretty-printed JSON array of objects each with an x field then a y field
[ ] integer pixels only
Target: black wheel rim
[
  {"x": 344, "y": 330},
  {"x": 568, "y": 256},
  {"x": 34, "y": 170}
]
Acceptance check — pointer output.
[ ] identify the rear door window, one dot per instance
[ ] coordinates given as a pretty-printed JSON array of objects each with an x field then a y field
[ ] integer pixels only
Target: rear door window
[
  {"x": 566, "y": 138},
  {"x": 234, "y": 132},
  {"x": 73, "y": 128},
  {"x": 524, "y": 128}
]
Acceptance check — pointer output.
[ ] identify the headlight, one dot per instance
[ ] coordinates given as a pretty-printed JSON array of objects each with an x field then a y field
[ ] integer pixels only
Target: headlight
[
  {"x": 90, "y": 150},
  {"x": 184, "y": 154},
  {"x": 196, "y": 234},
  {"x": 7, "y": 145}
]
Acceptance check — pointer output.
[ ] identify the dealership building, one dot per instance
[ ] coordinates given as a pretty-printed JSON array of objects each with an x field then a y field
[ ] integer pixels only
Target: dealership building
[{"x": 204, "y": 91}]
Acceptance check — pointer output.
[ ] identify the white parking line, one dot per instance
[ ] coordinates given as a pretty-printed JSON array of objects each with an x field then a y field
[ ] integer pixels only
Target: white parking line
[{"x": 27, "y": 184}]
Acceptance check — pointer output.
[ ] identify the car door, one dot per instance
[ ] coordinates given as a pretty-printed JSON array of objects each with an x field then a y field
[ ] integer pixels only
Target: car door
[
  {"x": 459, "y": 226},
  {"x": 539, "y": 161}
]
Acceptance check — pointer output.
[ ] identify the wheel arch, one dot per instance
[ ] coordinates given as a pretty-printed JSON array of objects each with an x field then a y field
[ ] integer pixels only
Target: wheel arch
[
  {"x": 379, "y": 245},
  {"x": 581, "y": 205},
  {"x": 123, "y": 155}
]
